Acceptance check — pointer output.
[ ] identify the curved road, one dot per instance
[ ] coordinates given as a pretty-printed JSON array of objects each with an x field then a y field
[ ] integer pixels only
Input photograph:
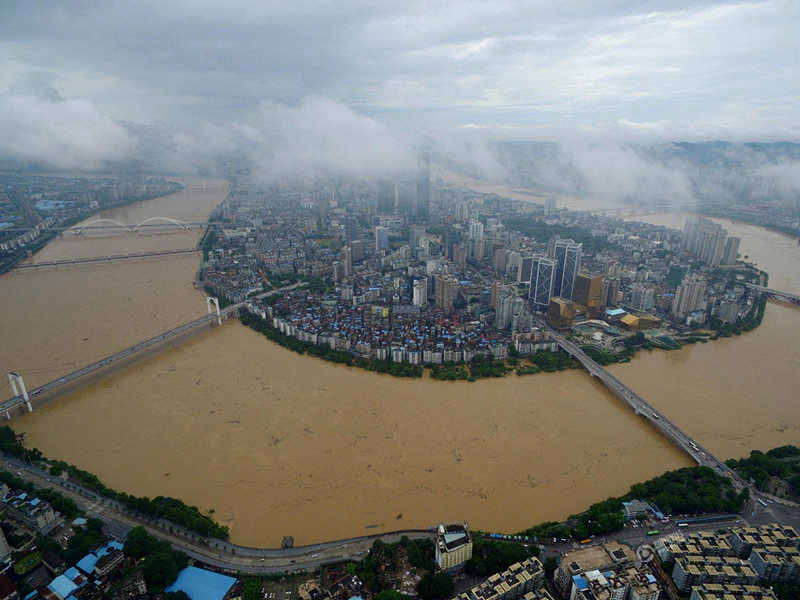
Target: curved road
[{"x": 216, "y": 553}]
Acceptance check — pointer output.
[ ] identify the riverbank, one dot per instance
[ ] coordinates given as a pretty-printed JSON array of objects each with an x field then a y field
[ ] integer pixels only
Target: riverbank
[{"x": 12, "y": 258}]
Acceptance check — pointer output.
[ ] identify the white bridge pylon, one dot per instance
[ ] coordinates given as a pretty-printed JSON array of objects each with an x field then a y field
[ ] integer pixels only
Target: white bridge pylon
[
  {"x": 16, "y": 380},
  {"x": 213, "y": 303}
]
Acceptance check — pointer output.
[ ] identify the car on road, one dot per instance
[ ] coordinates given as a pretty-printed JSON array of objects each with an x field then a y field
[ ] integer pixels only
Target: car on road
[{"x": 314, "y": 555}]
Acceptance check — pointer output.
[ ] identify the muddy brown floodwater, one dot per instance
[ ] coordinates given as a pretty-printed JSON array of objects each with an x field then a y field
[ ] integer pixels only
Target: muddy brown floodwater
[{"x": 281, "y": 444}]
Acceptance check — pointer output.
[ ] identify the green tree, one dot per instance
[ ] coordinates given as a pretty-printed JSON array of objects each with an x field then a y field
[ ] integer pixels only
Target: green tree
[
  {"x": 433, "y": 587},
  {"x": 550, "y": 566},
  {"x": 253, "y": 588}
]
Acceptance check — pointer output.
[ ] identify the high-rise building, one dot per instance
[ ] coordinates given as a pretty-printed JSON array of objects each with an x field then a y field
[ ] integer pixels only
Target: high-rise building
[
  {"x": 446, "y": 289},
  {"x": 542, "y": 282},
  {"x": 385, "y": 197},
  {"x": 423, "y": 187},
  {"x": 705, "y": 239},
  {"x": 350, "y": 227},
  {"x": 420, "y": 297},
  {"x": 415, "y": 235},
  {"x": 381, "y": 238},
  {"x": 499, "y": 260},
  {"x": 450, "y": 239},
  {"x": 567, "y": 254},
  {"x": 504, "y": 311},
  {"x": 731, "y": 251},
  {"x": 609, "y": 292},
  {"x": 453, "y": 546},
  {"x": 642, "y": 297},
  {"x": 347, "y": 260},
  {"x": 462, "y": 212},
  {"x": 525, "y": 269},
  {"x": 689, "y": 295},
  {"x": 405, "y": 198},
  {"x": 589, "y": 292},
  {"x": 496, "y": 287},
  {"x": 358, "y": 248},
  {"x": 476, "y": 230},
  {"x": 338, "y": 271},
  {"x": 549, "y": 206}
]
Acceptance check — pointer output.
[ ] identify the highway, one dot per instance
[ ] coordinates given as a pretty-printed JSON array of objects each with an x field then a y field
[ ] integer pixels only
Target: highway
[
  {"x": 129, "y": 351},
  {"x": 98, "y": 259}
]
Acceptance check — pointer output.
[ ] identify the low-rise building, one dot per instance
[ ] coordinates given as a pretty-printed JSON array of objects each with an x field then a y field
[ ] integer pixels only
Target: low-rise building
[
  {"x": 600, "y": 557},
  {"x": 33, "y": 512},
  {"x": 620, "y": 583}
]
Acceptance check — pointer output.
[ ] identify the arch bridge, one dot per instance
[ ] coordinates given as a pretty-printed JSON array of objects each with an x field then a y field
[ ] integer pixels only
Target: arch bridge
[{"x": 149, "y": 223}]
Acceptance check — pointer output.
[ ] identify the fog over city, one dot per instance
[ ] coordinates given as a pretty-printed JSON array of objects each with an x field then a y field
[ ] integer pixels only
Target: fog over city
[{"x": 356, "y": 88}]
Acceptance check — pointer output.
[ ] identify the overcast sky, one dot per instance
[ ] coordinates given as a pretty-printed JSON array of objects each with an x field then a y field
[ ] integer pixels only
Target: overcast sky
[{"x": 690, "y": 70}]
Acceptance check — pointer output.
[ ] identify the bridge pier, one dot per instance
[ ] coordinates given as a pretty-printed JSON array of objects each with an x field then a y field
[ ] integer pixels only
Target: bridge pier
[
  {"x": 16, "y": 378},
  {"x": 213, "y": 303}
]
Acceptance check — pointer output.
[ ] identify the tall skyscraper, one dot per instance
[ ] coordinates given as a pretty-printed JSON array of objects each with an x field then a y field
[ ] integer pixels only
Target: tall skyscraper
[
  {"x": 731, "y": 251},
  {"x": 705, "y": 239},
  {"x": 385, "y": 197},
  {"x": 405, "y": 198},
  {"x": 423, "y": 187},
  {"x": 689, "y": 295},
  {"x": 503, "y": 313},
  {"x": 476, "y": 230},
  {"x": 642, "y": 297},
  {"x": 567, "y": 254},
  {"x": 549, "y": 206},
  {"x": 449, "y": 240},
  {"x": 350, "y": 228},
  {"x": 347, "y": 260},
  {"x": 445, "y": 291},
  {"x": 525, "y": 269},
  {"x": 542, "y": 282},
  {"x": 381, "y": 238},
  {"x": 415, "y": 235},
  {"x": 589, "y": 292},
  {"x": 420, "y": 292}
]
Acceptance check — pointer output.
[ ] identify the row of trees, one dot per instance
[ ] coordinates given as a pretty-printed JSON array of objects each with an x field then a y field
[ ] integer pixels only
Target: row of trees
[
  {"x": 160, "y": 563},
  {"x": 782, "y": 462},
  {"x": 170, "y": 509},
  {"x": 691, "y": 490},
  {"x": 490, "y": 556}
]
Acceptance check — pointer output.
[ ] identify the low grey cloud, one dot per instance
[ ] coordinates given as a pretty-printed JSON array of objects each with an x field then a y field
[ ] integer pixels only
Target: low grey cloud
[
  {"x": 38, "y": 125},
  {"x": 352, "y": 86}
]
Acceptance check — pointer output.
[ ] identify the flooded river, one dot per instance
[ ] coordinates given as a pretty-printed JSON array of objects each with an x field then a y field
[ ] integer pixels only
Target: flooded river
[{"x": 280, "y": 444}]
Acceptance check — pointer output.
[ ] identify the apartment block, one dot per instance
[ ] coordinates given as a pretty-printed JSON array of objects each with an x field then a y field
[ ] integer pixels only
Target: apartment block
[
  {"x": 521, "y": 580},
  {"x": 716, "y": 591}
]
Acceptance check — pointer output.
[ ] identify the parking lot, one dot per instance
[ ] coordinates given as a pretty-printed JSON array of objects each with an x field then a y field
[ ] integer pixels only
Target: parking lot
[{"x": 280, "y": 590}]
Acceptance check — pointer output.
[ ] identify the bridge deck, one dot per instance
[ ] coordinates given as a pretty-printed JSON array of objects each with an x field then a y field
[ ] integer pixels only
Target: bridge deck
[
  {"x": 104, "y": 362},
  {"x": 657, "y": 419}
]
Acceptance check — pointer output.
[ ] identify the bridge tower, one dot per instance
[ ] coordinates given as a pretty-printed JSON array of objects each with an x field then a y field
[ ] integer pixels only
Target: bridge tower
[
  {"x": 16, "y": 379},
  {"x": 213, "y": 303}
]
